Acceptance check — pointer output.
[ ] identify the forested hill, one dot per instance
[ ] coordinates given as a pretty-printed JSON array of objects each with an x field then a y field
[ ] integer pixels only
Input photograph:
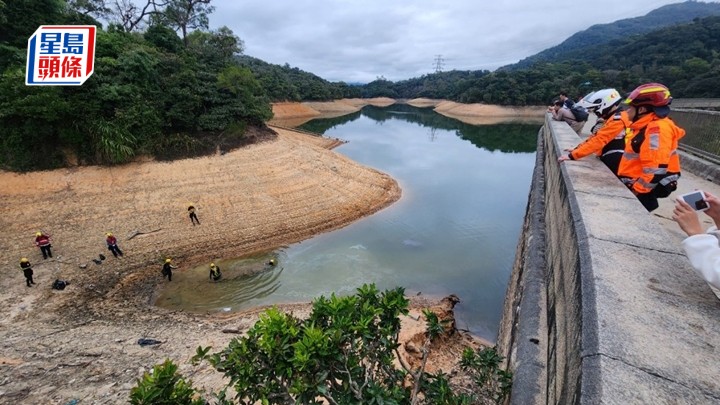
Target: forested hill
[
  {"x": 158, "y": 92},
  {"x": 685, "y": 57},
  {"x": 600, "y": 34},
  {"x": 285, "y": 83},
  {"x": 152, "y": 92}
]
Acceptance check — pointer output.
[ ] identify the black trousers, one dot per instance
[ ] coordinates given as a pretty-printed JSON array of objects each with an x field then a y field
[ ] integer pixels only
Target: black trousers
[
  {"x": 168, "y": 274},
  {"x": 115, "y": 250},
  {"x": 46, "y": 251},
  {"x": 193, "y": 218},
  {"x": 28, "y": 276},
  {"x": 649, "y": 201}
]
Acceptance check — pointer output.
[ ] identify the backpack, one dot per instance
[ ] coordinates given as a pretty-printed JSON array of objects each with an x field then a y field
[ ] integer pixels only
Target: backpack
[{"x": 580, "y": 113}]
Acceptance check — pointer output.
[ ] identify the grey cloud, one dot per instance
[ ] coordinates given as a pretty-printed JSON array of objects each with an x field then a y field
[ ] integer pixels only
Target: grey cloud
[{"x": 354, "y": 40}]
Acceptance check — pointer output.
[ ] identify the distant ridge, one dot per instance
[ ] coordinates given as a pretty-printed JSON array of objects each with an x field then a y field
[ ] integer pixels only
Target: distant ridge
[{"x": 669, "y": 15}]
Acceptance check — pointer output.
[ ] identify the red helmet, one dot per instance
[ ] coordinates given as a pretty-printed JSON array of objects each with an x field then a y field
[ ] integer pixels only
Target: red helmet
[{"x": 654, "y": 94}]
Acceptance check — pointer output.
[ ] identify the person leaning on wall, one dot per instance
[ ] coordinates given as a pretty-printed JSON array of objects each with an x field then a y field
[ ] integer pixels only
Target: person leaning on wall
[
  {"x": 609, "y": 141},
  {"x": 650, "y": 165},
  {"x": 567, "y": 102},
  {"x": 588, "y": 102},
  {"x": 701, "y": 248},
  {"x": 563, "y": 114}
]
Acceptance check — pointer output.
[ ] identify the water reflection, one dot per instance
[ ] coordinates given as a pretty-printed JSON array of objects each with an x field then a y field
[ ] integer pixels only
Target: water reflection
[
  {"x": 454, "y": 231},
  {"x": 321, "y": 126},
  {"x": 506, "y": 137}
]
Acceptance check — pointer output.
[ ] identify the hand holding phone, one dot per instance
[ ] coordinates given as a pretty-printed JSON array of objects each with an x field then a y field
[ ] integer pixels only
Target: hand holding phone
[{"x": 696, "y": 200}]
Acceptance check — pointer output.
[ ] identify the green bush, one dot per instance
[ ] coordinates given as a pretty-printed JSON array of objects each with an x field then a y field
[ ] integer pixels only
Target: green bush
[
  {"x": 345, "y": 352},
  {"x": 164, "y": 386}
]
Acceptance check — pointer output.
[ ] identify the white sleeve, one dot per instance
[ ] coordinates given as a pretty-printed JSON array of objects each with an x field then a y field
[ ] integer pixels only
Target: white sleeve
[{"x": 704, "y": 254}]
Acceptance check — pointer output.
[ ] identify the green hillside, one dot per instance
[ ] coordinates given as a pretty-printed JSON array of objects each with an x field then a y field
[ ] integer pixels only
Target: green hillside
[
  {"x": 600, "y": 34},
  {"x": 159, "y": 93},
  {"x": 286, "y": 83},
  {"x": 685, "y": 57}
]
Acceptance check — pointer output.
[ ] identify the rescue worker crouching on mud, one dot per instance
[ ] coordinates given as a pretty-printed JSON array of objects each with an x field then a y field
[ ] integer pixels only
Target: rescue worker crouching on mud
[
  {"x": 215, "y": 274},
  {"x": 167, "y": 269},
  {"x": 27, "y": 271},
  {"x": 650, "y": 166},
  {"x": 609, "y": 140}
]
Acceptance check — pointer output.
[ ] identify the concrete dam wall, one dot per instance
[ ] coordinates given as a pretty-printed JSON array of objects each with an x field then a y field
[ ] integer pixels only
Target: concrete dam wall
[{"x": 602, "y": 306}]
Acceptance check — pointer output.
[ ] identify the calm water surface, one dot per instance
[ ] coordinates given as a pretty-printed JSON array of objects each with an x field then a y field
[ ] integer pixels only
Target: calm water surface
[{"x": 454, "y": 231}]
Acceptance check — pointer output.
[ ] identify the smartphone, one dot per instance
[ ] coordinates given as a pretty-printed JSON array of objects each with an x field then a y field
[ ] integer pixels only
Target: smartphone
[{"x": 696, "y": 199}]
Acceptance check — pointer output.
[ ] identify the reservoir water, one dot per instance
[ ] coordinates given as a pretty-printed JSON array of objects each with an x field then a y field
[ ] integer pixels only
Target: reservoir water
[{"x": 454, "y": 231}]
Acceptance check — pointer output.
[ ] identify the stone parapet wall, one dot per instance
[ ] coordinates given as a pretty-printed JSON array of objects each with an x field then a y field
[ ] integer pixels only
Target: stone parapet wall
[{"x": 602, "y": 306}]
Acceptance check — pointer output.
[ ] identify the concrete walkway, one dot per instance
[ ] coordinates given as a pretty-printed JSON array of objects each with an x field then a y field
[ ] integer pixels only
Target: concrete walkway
[
  {"x": 688, "y": 182},
  {"x": 603, "y": 306}
]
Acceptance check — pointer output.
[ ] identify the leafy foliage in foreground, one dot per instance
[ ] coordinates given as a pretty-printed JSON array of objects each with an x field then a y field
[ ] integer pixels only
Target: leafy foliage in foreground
[
  {"x": 345, "y": 352},
  {"x": 164, "y": 386}
]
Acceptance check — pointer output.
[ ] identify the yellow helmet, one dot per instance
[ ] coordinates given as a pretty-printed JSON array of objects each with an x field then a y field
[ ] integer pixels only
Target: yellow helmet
[
  {"x": 109, "y": 234},
  {"x": 23, "y": 260},
  {"x": 168, "y": 260},
  {"x": 38, "y": 233},
  {"x": 212, "y": 264}
]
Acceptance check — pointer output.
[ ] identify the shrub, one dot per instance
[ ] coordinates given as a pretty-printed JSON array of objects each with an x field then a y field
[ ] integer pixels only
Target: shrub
[
  {"x": 345, "y": 352},
  {"x": 164, "y": 386}
]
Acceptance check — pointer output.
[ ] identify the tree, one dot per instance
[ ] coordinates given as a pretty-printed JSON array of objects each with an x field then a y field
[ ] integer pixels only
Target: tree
[
  {"x": 188, "y": 14},
  {"x": 131, "y": 16},
  {"x": 164, "y": 38},
  {"x": 22, "y": 17},
  {"x": 217, "y": 48},
  {"x": 95, "y": 8},
  {"x": 3, "y": 18}
]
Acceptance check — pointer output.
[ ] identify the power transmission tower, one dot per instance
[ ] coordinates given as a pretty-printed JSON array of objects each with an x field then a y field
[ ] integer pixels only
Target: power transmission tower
[{"x": 439, "y": 63}]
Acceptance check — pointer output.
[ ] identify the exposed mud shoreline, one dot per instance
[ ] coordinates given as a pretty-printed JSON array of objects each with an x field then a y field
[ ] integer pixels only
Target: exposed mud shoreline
[{"x": 294, "y": 114}]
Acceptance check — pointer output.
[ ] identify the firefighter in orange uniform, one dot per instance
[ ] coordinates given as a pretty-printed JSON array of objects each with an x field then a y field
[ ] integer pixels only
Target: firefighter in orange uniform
[
  {"x": 650, "y": 166},
  {"x": 609, "y": 140}
]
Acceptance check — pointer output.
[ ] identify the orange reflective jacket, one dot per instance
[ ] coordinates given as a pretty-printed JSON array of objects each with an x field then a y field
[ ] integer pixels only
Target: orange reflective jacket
[
  {"x": 650, "y": 155},
  {"x": 609, "y": 140}
]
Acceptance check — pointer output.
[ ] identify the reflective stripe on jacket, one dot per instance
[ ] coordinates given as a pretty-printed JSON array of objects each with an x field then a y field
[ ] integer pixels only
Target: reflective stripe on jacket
[
  {"x": 651, "y": 153},
  {"x": 42, "y": 240},
  {"x": 610, "y": 138}
]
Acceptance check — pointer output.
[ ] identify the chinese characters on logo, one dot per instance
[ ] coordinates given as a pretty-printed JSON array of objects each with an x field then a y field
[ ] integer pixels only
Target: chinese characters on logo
[{"x": 60, "y": 55}]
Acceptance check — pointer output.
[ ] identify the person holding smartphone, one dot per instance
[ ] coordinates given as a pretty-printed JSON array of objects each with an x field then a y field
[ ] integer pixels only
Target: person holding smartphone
[{"x": 702, "y": 248}]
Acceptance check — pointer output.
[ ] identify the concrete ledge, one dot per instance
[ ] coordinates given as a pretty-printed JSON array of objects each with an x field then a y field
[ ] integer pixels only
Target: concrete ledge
[
  {"x": 623, "y": 318},
  {"x": 700, "y": 167}
]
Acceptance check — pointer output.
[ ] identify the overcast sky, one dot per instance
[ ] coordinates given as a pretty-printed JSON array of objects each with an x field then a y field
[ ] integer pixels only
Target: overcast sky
[{"x": 360, "y": 40}]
